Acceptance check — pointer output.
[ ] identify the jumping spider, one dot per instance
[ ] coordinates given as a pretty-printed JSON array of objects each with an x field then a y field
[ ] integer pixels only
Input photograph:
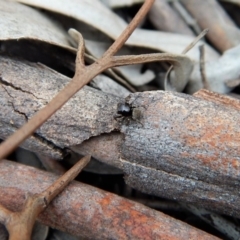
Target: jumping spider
[{"x": 125, "y": 111}]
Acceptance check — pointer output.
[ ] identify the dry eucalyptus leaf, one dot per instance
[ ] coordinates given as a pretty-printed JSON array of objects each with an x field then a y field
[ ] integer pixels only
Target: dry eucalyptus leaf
[
  {"x": 131, "y": 72},
  {"x": 180, "y": 76},
  {"x": 28, "y": 158},
  {"x": 224, "y": 33},
  {"x": 232, "y": 1},
  {"x": 164, "y": 18},
  {"x": 34, "y": 37},
  {"x": 218, "y": 73},
  {"x": 107, "y": 85},
  {"x": 3, "y": 232},
  {"x": 122, "y": 3},
  {"x": 59, "y": 235},
  {"x": 40, "y": 231},
  {"x": 94, "y": 13},
  {"x": 19, "y": 21}
]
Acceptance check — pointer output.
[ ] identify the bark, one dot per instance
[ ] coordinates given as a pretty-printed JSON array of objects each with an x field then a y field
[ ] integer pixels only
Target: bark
[
  {"x": 88, "y": 212},
  {"x": 172, "y": 145},
  {"x": 179, "y": 147},
  {"x": 27, "y": 87}
]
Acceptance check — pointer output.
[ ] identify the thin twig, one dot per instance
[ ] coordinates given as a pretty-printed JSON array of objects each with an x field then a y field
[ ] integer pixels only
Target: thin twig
[
  {"x": 130, "y": 28},
  {"x": 195, "y": 41},
  {"x": 202, "y": 67},
  {"x": 189, "y": 47},
  {"x": 50, "y": 193}
]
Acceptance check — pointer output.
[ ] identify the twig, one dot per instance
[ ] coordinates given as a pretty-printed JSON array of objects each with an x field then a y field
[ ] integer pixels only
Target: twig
[
  {"x": 202, "y": 67},
  {"x": 83, "y": 75},
  {"x": 20, "y": 224},
  {"x": 195, "y": 41},
  {"x": 189, "y": 47}
]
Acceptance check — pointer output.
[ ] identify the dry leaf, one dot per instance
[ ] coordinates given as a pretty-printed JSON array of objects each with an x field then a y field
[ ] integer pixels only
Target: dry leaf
[
  {"x": 131, "y": 72},
  {"x": 96, "y": 14},
  {"x": 224, "y": 34},
  {"x": 218, "y": 72},
  {"x": 122, "y": 3},
  {"x": 19, "y": 21}
]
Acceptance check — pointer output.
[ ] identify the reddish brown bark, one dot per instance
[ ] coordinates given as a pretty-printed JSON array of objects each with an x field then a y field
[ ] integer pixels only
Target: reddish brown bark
[{"x": 86, "y": 211}]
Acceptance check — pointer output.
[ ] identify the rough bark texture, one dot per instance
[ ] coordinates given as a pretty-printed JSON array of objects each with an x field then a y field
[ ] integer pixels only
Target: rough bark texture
[
  {"x": 88, "y": 212},
  {"x": 180, "y": 147},
  {"x": 188, "y": 149},
  {"x": 27, "y": 87}
]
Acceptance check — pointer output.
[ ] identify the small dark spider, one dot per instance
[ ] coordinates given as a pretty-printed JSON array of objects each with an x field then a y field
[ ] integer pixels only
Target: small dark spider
[{"x": 125, "y": 110}]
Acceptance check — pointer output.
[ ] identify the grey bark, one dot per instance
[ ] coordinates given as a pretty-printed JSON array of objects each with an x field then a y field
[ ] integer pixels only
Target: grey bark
[
  {"x": 27, "y": 87},
  {"x": 172, "y": 145}
]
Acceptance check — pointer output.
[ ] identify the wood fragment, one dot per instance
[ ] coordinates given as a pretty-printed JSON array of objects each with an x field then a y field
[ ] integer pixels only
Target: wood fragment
[
  {"x": 202, "y": 67},
  {"x": 88, "y": 212},
  {"x": 177, "y": 148},
  {"x": 20, "y": 223}
]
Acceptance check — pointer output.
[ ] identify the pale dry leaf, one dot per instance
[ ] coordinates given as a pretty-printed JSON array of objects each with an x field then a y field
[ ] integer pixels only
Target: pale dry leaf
[
  {"x": 40, "y": 231},
  {"x": 99, "y": 16},
  {"x": 218, "y": 73},
  {"x": 223, "y": 225},
  {"x": 19, "y": 21},
  {"x": 224, "y": 33},
  {"x": 107, "y": 85},
  {"x": 130, "y": 72},
  {"x": 59, "y": 235},
  {"x": 232, "y": 1},
  {"x": 122, "y": 3},
  {"x": 180, "y": 75}
]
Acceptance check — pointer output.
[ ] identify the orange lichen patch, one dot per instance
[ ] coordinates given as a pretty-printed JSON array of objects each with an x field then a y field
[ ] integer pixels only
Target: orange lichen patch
[
  {"x": 235, "y": 164},
  {"x": 106, "y": 200}
]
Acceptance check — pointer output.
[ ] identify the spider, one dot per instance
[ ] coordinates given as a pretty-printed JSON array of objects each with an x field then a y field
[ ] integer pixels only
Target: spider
[{"x": 125, "y": 111}]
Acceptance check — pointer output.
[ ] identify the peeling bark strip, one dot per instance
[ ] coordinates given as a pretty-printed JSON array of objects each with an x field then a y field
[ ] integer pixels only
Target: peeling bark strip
[
  {"x": 88, "y": 212},
  {"x": 26, "y": 87}
]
